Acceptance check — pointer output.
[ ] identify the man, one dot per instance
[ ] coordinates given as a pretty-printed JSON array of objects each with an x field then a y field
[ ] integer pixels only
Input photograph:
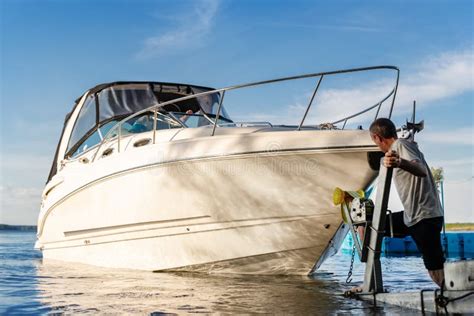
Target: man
[{"x": 423, "y": 216}]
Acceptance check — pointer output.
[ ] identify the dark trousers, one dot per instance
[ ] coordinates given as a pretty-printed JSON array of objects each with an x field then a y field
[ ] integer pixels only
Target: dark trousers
[{"x": 426, "y": 234}]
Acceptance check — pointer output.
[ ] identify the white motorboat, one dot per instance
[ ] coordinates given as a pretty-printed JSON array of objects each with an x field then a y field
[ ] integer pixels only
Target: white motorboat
[{"x": 156, "y": 176}]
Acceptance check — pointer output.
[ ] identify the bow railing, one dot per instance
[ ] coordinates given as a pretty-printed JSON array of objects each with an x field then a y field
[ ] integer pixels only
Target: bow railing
[{"x": 117, "y": 129}]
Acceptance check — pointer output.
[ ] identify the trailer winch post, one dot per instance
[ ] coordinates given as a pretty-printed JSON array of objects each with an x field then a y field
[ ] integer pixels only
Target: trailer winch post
[{"x": 373, "y": 282}]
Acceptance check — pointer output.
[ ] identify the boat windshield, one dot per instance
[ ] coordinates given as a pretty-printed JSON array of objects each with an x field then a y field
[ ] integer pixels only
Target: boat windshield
[
  {"x": 105, "y": 108},
  {"x": 198, "y": 119}
]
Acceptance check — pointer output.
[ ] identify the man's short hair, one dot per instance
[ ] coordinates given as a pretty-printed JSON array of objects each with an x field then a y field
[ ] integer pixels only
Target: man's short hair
[{"x": 384, "y": 128}]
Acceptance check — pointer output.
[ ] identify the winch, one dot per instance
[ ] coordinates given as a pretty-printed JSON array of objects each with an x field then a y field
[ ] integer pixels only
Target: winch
[{"x": 361, "y": 210}]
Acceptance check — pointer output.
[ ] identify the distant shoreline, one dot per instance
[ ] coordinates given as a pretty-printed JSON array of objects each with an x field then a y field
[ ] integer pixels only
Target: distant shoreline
[
  {"x": 23, "y": 228},
  {"x": 460, "y": 226}
]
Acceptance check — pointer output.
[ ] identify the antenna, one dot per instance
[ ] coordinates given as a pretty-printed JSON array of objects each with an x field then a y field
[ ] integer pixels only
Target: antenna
[{"x": 412, "y": 126}]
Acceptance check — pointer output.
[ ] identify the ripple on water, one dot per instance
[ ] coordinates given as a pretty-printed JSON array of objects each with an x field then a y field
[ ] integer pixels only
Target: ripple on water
[{"x": 28, "y": 286}]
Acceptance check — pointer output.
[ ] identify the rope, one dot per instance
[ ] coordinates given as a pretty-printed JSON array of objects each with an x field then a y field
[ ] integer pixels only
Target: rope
[{"x": 443, "y": 301}]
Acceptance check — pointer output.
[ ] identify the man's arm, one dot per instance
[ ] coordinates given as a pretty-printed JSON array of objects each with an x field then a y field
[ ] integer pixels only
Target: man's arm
[
  {"x": 392, "y": 159},
  {"x": 185, "y": 117}
]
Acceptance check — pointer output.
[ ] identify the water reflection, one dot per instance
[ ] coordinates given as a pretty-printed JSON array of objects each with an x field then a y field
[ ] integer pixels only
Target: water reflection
[
  {"x": 73, "y": 288},
  {"x": 30, "y": 286}
]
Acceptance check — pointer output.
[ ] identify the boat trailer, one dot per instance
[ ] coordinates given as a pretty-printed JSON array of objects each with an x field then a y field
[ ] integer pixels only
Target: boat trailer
[{"x": 458, "y": 294}]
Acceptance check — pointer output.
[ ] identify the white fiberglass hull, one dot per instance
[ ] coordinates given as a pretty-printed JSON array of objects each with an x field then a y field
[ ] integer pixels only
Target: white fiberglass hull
[{"x": 266, "y": 211}]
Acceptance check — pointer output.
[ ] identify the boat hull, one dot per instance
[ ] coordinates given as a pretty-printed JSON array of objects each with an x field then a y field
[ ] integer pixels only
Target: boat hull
[
  {"x": 267, "y": 212},
  {"x": 277, "y": 220}
]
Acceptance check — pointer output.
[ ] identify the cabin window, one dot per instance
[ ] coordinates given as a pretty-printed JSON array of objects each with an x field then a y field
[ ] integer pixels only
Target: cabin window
[
  {"x": 84, "y": 123},
  {"x": 91, "y": 141},
  {"x": 119, "y": 101},
  {"x": 104, "y": 108},
  {"x": 94, "y": 139},
  {"x": 144, "y": 123}
]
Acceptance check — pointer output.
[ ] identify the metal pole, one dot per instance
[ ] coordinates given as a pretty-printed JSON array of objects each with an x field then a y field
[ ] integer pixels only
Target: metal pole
[
  {"x": 218, "y": 111},
  {"x": 97, "y": 151},
  {"x": 442, "y": 194},
  {"x": 155, "y": 118},
  {"x": 445, "y": 240},
  {"x": 413, "y": 118},
  {"x": 378, "y": 110},
  {"x": 394, "y": 94},
  {"x": 119, "y": 134},
  {"x": 310, "y": 102},
  {"x": 373, "y": 281}
]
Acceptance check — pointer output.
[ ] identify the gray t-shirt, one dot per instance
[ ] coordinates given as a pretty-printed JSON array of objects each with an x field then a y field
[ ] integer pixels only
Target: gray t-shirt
[{"x": 419, "y": 195}]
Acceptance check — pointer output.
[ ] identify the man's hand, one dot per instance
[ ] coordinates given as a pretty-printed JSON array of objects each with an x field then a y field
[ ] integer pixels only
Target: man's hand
[
  {"x": 185, "y": 117},
  {"x": 391, "y": 159}
]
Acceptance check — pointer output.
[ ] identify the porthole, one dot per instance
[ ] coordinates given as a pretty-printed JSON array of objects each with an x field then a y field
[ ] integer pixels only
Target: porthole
[
  {"x": 107, "y": 152},
  {"x": 142, "y": 142}
]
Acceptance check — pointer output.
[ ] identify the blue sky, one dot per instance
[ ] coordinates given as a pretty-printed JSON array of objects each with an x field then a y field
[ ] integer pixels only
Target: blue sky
[{"x": 52, "y": 51}]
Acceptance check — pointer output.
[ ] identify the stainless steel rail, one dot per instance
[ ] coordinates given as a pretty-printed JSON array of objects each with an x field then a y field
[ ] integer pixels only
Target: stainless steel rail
[{"x": 154, "y": 108}]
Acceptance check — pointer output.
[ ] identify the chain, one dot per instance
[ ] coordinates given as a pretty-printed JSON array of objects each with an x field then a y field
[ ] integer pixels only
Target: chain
[{"x": 349, "y": 274}]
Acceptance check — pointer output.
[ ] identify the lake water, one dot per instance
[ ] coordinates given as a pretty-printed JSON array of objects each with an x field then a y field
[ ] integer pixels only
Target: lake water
[{"x": 28, "y": 286}]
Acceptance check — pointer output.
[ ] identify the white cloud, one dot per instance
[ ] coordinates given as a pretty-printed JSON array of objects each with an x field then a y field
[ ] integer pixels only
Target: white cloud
[
  {"x": 460, "y": 136},
  {"x": 190, "y": 32},
  {"x": 439, "y": 77}
]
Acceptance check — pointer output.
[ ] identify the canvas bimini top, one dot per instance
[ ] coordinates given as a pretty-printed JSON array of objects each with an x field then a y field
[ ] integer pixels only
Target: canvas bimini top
[{"x": 106, "y": 104}]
